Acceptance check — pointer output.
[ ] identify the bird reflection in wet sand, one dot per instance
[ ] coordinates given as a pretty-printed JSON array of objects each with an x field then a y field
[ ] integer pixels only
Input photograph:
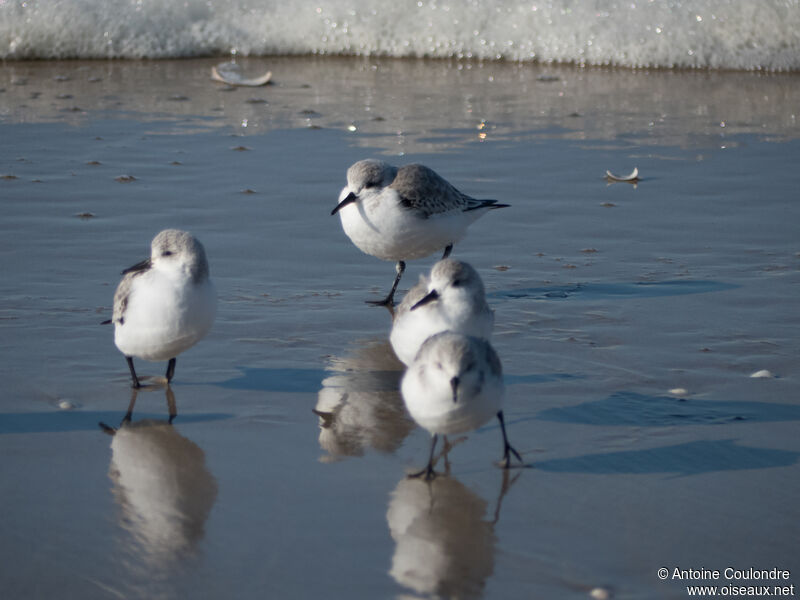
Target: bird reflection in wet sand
[
  {"x": 444, "y": 547},
  {"x": 161, "y": 484},
  {"x": 359, "y": 406}
]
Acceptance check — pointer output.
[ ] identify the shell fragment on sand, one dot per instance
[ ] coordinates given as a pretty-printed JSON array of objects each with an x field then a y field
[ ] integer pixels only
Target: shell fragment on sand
[
  {"x": 632, "y": 178},
  {"x": 231, "y": 73}
]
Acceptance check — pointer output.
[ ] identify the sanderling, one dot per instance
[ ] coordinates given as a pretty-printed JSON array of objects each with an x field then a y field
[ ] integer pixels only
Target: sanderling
[
  {"x": 404, "y": 213},
  {"x": 453, "y": 299},
  {"x": 164, "y": 304},
  {"x": 455, "y": 385}
]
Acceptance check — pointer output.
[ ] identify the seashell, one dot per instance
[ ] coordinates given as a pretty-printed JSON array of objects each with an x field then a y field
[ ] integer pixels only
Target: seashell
[
  {"x": 231, "y": 73},
  {"x": 633, "y": 177},
  {"x": 762, "y": 374}
]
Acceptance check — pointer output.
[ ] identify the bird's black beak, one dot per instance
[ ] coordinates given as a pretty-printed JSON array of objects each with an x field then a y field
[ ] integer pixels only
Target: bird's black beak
[
  {"x": 351, "y": 197},
  {"x": 454, "y": 386},
  {"x": 432, "y": 295},
  {"x": 140, "y": 266}
]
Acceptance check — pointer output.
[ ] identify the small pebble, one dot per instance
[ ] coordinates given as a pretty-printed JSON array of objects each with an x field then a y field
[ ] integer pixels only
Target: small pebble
[
  {"x": 679, "y": 391},
  {"x": 599, "y": 593},
  {"x": 762, "y": 374},
  {"x": 66, "y": 405},
  {"x": 125, "y": 178}
]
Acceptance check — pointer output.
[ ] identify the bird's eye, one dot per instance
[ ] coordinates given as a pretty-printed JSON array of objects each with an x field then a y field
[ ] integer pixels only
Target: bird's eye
[
  {"x": 457, "y": 283},
  {"x": 166, "y": 253}
]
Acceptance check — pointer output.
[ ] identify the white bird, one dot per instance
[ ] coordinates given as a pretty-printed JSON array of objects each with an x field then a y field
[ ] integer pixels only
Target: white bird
[
  {"x": 404, "y": 213},
  {"x": 165, "y": 304},
  {"x": 453, "y": 299},
  {"x": 455, "y": 385}
]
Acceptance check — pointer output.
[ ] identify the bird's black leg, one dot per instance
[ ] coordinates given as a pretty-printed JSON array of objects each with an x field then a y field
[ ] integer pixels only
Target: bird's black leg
[
  {"x": 170, "y": 369},
  {"x": 136, "y": 383},
  {"x": 389, "y": 300},
  {"x": 428, "y": 471},
  {"x": 507, "y": 448},
  {"x": 447, "y": 251}
]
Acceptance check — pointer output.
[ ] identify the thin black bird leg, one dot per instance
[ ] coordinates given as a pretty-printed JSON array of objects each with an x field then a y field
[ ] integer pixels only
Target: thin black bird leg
[
  {"x": 428, "y": 471},
  {"x": 447, "y": 251},
  {"x": 389, "y": 300},
  {"x": 507, "y": 448},
  {"x": 136, "y": 383},
  {"x": 170, "y": 369}
]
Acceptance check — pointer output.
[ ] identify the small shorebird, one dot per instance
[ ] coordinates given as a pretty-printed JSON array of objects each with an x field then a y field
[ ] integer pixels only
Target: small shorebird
[
  {"x": 164, "y": 304},
  {"x": 404, "y": 213},
  {"x": 452, "y": 299},
  {"x": 455, "y": 385}
]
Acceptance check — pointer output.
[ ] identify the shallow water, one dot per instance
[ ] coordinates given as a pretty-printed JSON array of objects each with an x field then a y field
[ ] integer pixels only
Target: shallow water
[{"x": 608, "y": 299}]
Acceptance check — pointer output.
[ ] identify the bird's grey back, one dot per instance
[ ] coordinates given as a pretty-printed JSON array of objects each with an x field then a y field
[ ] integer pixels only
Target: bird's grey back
[{"x": 421, "y": 189}]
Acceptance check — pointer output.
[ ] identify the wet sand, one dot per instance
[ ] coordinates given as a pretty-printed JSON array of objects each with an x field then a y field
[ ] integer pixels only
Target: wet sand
[{"x": 629, "y": 321}]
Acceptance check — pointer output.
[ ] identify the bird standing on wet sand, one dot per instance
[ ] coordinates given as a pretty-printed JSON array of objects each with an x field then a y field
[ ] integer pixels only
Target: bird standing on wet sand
[
  {"x": 453, "y": 299},
  {"x": 455, "y": 385},
  {"x": 404, "y": 213},
  {"x": 165, "y": 304}
]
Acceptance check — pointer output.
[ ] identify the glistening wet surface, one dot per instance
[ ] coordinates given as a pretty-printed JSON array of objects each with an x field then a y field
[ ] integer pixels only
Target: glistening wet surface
[{"x": 629, "y": 321}]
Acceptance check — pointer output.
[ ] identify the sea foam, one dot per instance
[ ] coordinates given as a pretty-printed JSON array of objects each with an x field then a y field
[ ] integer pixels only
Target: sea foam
[{"x": 719, "y": 34}]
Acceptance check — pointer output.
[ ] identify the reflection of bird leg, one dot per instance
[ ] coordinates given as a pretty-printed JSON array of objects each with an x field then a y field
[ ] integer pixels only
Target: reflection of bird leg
[
  {"x": 504, "y": 487},
  {"x": 448, "y": 445},
  {"x": 428, "y": 471},
  {"x": 129, "y": 415},
  {"x": 171, "y": 406},
  {"x": 126, "y": 419},
  {"x": 107, "y": 428}
]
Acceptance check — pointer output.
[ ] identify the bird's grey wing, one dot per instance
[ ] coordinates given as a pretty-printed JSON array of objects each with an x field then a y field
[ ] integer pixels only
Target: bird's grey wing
[
  {"x": 121, "y": 297},
  {"x": 420, "y": 189},
  {"x": 495, "y": 366}
]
